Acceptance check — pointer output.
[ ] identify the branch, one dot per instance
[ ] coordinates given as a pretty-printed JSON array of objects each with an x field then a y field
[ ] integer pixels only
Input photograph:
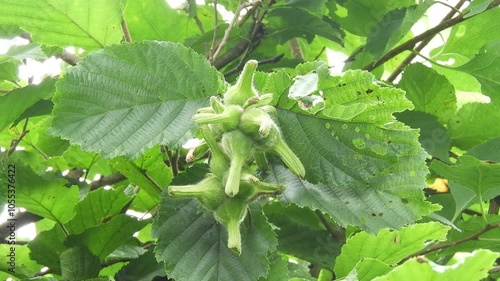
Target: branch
[
  {"x": 107, "y": 180},
  {"x": 126, "y": 33},
  {"x": 422, "y": 44},
  {"x": 494, "y": 206},
  {"x": 214, "y": 37},
  {"x": 474, "y": 236},
  {"x": 410, "y": 44},
  {"x": 15, "y": 142},
  {"x": 69, "y": 58},
  {"x": 227, "y": 32},
  {"x": 22, "y": 219}
]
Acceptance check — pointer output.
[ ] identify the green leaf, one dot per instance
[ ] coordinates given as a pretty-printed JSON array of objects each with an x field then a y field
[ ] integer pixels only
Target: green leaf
[
  {"x": 194, "y": 246},
  {"x": 278, "y": 270},
  {"x": 136, "y": 96},
  {"x": 472, "y": 125},
  {"x": 137, "y": 176},
  {"x": 87, "y": 24},
  {"x": 393, "y": 27},
  {"x": 368, "y": 208},
  {"x": 77, "y": 263},
  {"x": 436, "y": 96},
  {"x": 477, "y": 7},
  {"x": 433, "y": 136},
  {"x": 103, "y": 239},
  {"x": 16, "y": 102},
  {"x": 8, "y": 71},
  {"x": 367, "y": 269},
  {"x": 29, "y": 51},
  {"x": 45, "y": 197},
  {"x": 485, "y": 67},
  {"x": 467, "y": 267},
  {"x": 489, "y": 240},
  {"x": 285, "y": 23},
  {"x": 97, "y": 207},
  {"x": 362, "y": 15},
  {"x": 479, "y": 176},
  {"x": 489, "y": 150},
  {"x": 40, "y": 108},
  {"x": 144, "y": 268},
  {"x": 301, "y": 234},
  {"x": 18, "y": 260},
  {"x": 8, "y": 31},
  {"x": 155, "y": 20},
  {"x": 467, "y": 37},
  {"x": 47, "y": 246},
  {"x": 388, "y": 246}
]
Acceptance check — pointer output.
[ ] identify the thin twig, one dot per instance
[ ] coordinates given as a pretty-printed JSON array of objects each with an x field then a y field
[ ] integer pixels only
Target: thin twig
[
  {"x": 474, "y": 236},
  {"x": 320, "y": 53},
  {"x": 422, "y": 45},
  {"x": 249, "y": 12},
  {"x": 410, "y": 44},
  {"x": 295, "y": 49},
  {"x": 228, "y": 31},
  {"x": 15, "y": 142},
  {"x": 126, "y": 33},
  {"x": 199, "y": 24},
  {"x": 494, "y": 206},
  {"x": 69, "y": 58},
  {"x": 260, "y": 62},
  {"x": 216, "y": 29},
  {"x": 455, "y": 9},
  {"x": 107, "y": 180}
]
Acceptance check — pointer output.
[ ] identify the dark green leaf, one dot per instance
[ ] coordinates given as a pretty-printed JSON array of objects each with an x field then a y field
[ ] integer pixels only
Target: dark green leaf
[
  {"x": 286, "y": 23},
  {"x": 194, "y": 246},
  {"x": 77, "y": 263},
  {"x": 433, "y": 136},
  {"x": 15, "y": 103},
  {"x": 103, "y": 239},
  {"x": 47, "y": 246},
  {"x": 278, "y": 270},
  {"x": 429, "y": 92},
  {"x": 137, "y": 95},
  {"x": 369, "y": 208},
  {"x": 144, "y": 268},
  {"x": 41, "y": 107},
  {"x": 393, "y": 27},
  {"x": 488, "y": 151}
]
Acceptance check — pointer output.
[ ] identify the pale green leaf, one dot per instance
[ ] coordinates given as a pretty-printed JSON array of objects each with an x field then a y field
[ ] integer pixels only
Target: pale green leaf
[
  {"x": 13, "y": 104},
  {"x": 104, "y": 238},
  {"x": 367, "y": 269},
  {"x": 194, "y": 246},
  {"x": 467, "y": 37},
  {"x": 388, "y": 246},
  {"x": 46, "y": 197},
  {"x": 77, "y": 263},
  {"x": 29, "y": 51},
  {"x": 477, "y": 7},
  {"x": 97, "y": 207},
  {"x": 485, "y": 66},
  {"x": 135, "y": 96},
  {"x": 479, "y": 176},
  {"x": 436, "y": 96},
  {"x": 87, "y": 24},
  {"x": 433, "y": 136},
  {"x": 393, "y": 27},
  {"x": 18, "y": 261},
  {"x": 156, "y": 20},
  {"x": 136, "y": 175},
  {"x": 369, "y": 208},
  {"x": 467, "y": 267},
  {"x": 472, "y": 125}
]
